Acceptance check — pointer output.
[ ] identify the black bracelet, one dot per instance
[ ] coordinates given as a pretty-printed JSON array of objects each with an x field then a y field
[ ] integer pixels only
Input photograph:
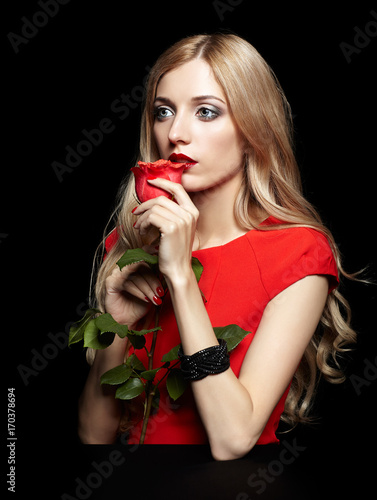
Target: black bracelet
[{"x": 208, "y": 361}]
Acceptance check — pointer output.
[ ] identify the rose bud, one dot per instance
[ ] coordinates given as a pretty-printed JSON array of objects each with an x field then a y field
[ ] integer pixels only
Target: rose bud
[{"x": 163, "y": 169}]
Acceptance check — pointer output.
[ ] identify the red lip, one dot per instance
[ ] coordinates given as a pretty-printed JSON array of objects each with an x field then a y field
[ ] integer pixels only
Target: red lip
[{"x": 181, "y": 158}]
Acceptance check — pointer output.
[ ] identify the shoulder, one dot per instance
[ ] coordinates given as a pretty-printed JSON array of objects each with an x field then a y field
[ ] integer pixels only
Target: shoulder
[
  {"x": 288, "y": 254},
  {"x": 285, "y": 240}
]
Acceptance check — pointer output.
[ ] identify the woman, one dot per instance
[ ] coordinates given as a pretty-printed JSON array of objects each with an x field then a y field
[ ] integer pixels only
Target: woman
[{"x": 270, "y": 265}]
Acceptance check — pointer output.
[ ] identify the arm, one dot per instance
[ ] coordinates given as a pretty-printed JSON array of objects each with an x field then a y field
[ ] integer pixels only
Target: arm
[
  {"x": 99, "y": 411},
  {"x": 129, "y": 296},
  {"x": 234, "y": 411}
]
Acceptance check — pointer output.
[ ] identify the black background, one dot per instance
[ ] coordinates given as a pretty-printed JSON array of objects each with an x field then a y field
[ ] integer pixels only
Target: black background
[{"x": 66, "y": 79}]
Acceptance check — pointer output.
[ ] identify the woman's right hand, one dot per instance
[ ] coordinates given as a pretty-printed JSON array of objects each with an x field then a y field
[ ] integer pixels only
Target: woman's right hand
[{"x": 131, "y": 292}]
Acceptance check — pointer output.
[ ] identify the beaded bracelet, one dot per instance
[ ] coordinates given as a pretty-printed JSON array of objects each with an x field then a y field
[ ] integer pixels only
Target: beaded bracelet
[{"x": 208, "y": 361}]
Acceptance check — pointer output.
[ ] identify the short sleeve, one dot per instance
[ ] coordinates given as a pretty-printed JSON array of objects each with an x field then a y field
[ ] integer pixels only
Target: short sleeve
[
  {"x": 285, "y": 256},
  {"x": 110, "y": 242}
]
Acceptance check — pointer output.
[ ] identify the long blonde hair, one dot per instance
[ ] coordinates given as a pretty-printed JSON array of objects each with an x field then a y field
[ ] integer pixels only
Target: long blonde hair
[{"x": 271, "y": 184}]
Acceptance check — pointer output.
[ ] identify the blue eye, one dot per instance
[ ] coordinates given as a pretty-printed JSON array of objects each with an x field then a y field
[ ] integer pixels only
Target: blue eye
[
  {"x": 204, "y": 113},
  {"x": 161, "y": 113},
  {"x": 207, "y": 113}
]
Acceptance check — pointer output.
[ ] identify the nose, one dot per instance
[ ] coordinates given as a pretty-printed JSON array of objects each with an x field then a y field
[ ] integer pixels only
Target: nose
[{"x": 180, "y": 130}]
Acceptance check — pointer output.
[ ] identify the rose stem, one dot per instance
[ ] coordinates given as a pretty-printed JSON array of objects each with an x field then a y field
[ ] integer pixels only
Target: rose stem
[{"x": 150, "y": 394}]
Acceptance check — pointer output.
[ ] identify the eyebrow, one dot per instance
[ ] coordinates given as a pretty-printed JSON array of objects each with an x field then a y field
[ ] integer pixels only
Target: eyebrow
[{"x": 193, "y": 99}]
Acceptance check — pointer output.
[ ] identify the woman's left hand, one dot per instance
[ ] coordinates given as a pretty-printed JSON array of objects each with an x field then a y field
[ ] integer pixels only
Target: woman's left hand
[{"x": 176, "y": 220}]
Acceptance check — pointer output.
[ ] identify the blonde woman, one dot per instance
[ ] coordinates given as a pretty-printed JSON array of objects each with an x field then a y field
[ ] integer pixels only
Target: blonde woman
[{"x": 270, "y": 266}]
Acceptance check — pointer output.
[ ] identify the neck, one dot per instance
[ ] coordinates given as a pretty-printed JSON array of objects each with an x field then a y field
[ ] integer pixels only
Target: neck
[{"x": 217, "y": 224}]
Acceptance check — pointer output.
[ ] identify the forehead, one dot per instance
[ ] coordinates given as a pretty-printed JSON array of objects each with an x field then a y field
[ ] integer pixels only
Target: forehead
[{"x": 192, "y": 79}]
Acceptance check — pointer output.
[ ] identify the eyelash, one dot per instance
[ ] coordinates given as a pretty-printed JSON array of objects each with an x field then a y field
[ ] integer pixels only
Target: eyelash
[{"x": 215, "y": 113}]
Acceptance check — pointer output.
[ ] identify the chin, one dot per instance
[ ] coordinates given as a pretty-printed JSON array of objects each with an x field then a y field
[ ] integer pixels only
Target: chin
[{"x": 191, "y": 187}]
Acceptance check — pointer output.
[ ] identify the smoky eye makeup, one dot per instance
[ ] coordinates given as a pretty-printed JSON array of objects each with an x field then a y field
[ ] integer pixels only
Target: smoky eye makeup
[
  {"x": 208, "y": 113},
  {"x": 162, "y": 112},
  {"x": 164, "y": 108},
  {"x": 204, "y": 113}
]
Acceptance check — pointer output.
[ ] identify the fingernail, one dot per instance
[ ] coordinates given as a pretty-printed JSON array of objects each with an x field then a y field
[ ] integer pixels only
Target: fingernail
[
  {"x": 151, "y": 177},
  {"x": 146, "y": 299},
  {"x": 134, "y": 210},
  {"x": 157, "y": 301},
  {"x": 160, "y": 291},
  {"x": 133, "y": 225}
]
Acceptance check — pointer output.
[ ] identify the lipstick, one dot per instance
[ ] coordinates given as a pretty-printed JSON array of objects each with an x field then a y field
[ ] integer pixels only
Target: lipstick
[{"x": 181, "y": 158}]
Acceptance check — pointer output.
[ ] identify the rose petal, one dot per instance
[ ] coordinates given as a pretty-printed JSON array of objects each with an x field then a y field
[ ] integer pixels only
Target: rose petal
[{"x": 162, "y": 169}]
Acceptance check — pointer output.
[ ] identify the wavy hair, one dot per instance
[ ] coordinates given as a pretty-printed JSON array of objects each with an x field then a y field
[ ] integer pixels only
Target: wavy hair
[{"x": 271, "y": 183}]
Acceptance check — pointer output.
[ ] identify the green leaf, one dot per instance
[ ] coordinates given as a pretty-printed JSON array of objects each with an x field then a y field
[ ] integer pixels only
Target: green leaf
[
  {"x": 93, "y": 337},
  {"x": 176, "y": 384},
  {"x": 117, "y": 375},
  {"x": 149, "y": 374},
  {"x": 144, "y": 332},
  {"x": 138, "y": 342},
  {"x": 136, "y": 255},
  {"x": 134, "y": 362},
  {"x": 76, "y": 332},
  {"x": 197, "y": 268},
  {"x": 233, "y": 334},
  {"x": 131, "y": 389},
  {"x": 171, "y": 355},
  {"x": 106, "y": 323}
]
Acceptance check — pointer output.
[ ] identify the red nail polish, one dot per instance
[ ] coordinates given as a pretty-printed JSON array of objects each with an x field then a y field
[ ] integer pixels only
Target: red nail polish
[
  {"x": 157, "y": 301},
  {"x": 160, "y": 291},
  {"x": 146, "y": 298},
  {"x": 134, "y": 210},
  {"x": 151, "y": 177}
]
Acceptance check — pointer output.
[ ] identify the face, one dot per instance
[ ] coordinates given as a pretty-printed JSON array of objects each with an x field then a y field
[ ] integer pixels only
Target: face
[{"x": 192, "y": 118}]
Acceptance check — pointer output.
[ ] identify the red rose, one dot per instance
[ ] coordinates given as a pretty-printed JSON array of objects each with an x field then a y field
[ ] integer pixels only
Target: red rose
[{"x": 163, "y": 169}]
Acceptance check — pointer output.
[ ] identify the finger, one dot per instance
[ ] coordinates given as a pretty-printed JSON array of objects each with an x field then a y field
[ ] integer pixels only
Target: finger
[
  {"x": 116, "y": 279},
  {"x": 161, "y": 201},
  {"x": 180, "y": 195},
  {"x": 135, "y": 291},
  {"x": 138, "y": 287},
  {"x": 164, "y": 220},
  {"x": 143, "y": 287},
  {"x": 134, "y": 277},
  {"x": 167, "y": 208},
  {"x": 148, "y": 283},
  {"x": 153, "y": 284}
]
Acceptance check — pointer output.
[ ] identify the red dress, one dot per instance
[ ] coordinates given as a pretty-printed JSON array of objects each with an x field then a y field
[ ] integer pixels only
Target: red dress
[{"x": 238, "y": 281}]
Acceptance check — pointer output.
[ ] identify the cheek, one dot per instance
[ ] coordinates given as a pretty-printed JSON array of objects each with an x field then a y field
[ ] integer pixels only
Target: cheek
[
  {"x": 225, "y": 145},
  {"x": 159, "y": 136}
]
